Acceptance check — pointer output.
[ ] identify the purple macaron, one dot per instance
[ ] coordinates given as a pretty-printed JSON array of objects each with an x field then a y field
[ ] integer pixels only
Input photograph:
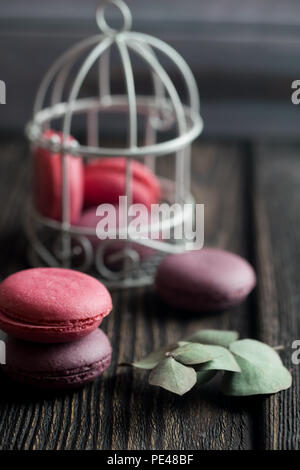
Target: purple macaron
[
  {"x": 203, "y": 280},
  {"x": 58, "y": 366}
]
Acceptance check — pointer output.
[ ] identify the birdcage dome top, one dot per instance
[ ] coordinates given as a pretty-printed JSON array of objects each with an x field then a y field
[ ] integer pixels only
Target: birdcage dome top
[{"x": 58, "y": 96}]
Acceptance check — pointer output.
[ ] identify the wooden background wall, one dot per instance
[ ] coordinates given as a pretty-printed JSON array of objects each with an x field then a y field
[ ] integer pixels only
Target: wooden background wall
[{"x": 244, "y": 54}]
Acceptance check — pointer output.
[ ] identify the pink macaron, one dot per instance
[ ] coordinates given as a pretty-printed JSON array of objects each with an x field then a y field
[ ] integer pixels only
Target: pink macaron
[
  {"x": 47, "y": 180},
  {"x": 58, "y": 366},
  {"x": 52, "y": 305},
  {"x": 202, "y": 280},
  {"x": 105, "y": 182}
]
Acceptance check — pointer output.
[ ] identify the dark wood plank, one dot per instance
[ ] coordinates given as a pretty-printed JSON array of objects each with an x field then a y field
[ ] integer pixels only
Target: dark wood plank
[
  {"x": 121, "y": 411},
  {"x": 203, "y": 420},
  {"x": 276, "y": 199}
]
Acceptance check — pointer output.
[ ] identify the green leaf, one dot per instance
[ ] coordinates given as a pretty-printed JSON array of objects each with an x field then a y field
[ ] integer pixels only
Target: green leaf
[
  {"x": 173, "y": 376},
  {"x": 217, "y": 337},
  {"x": 205, "y": 376},
  {"x": 262, "y": 370},
  {"x": 225, "y": 361},
  {"x": 150, "y": 361},
  {"x": 195, "y": 353}
]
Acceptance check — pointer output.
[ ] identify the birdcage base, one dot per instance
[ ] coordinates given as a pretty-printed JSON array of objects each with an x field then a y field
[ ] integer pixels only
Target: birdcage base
[{"x": 55, "y": 245}]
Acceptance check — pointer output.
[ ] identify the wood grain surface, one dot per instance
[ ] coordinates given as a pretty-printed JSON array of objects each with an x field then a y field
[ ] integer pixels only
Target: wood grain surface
[
  {"x": 251, "y": 195},
  {"x": 276, "y": 202}
]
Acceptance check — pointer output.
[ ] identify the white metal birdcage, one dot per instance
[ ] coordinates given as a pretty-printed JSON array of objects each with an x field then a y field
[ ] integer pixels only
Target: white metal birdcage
[{"x": 60, "y": 243}]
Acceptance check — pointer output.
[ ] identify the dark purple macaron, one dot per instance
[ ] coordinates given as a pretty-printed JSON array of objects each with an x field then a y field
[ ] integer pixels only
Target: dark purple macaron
[
  {"x": 58, "y": 366},
  {"x": 207, "y": 279}
]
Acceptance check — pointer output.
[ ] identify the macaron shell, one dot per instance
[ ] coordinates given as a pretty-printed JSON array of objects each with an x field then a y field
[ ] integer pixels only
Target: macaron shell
[
  {"x": 47, "y": 180},
  {"x": 140, "y": 172},
  {"x": 208, "y": 279},
  {"x": 52, "y": 304},
  {"x": 105, "y": 182},
  {"x": 200, "y": 302},
  {"x": 60, "y": 365}
]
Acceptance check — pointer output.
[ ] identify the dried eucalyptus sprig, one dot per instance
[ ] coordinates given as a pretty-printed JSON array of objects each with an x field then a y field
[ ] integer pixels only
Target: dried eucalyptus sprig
[{"x": 250, "y": 367}]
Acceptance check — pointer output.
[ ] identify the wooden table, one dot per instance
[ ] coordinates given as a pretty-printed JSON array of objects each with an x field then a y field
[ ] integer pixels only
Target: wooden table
[{"x": 251, "y": 194}]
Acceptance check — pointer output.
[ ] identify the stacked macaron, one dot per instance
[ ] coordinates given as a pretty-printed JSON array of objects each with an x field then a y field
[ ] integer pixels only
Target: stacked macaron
[
  {"x": 100, "y": 181},
  {"x": 47, "y": 180},
  {"x": 52, "y": 316}
]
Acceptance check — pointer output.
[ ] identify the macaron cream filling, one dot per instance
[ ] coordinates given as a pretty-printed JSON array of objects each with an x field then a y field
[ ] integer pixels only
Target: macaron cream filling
[
  {"x": 15, "y": 318},
  {"x": 78, "y": 373}
]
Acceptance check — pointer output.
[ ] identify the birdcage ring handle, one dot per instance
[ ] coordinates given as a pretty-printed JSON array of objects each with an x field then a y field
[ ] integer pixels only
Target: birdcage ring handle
[{"x": 125, "y": 13}]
